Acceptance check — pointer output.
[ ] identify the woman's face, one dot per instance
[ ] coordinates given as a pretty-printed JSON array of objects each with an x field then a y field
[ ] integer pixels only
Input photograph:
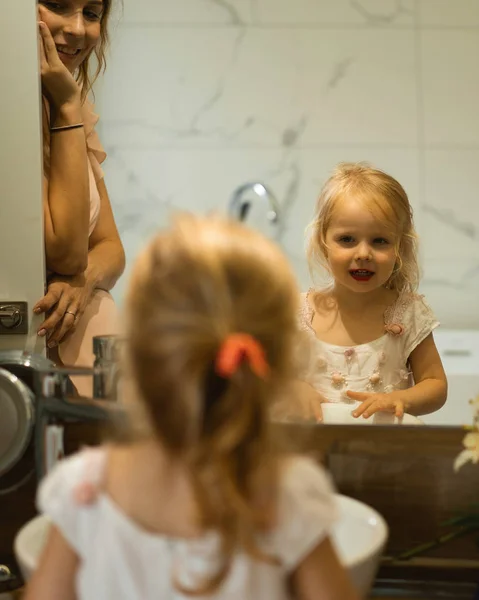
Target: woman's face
[{"x": 75, "y": 26}]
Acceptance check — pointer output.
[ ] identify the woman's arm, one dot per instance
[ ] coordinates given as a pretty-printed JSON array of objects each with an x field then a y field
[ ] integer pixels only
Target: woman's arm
[
  {"x": 106, "y": 261},
  {"x": 66, "y": 196},
  {"x": 106, "y": 257},
  {"x": 54, "y": 578}
]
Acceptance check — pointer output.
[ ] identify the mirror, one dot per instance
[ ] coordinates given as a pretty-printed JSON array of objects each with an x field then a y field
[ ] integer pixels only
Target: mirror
[{"x": 199, "y": 100}]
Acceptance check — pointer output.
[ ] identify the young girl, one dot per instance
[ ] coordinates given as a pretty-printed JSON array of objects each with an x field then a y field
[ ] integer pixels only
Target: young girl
[
  {"x": 198, "y": 501},
  {"x": 371, "y": 333}
]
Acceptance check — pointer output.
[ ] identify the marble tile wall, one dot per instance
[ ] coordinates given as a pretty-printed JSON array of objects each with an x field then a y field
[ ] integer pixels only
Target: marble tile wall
[{"x": 201, "y": 96}]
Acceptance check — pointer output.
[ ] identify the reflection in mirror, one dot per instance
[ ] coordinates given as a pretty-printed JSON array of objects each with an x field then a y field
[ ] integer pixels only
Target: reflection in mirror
[
  {"x": 269, "y": 92},
  {"x": 255, "y": 205},
  {"x": 370, "y": 333}
]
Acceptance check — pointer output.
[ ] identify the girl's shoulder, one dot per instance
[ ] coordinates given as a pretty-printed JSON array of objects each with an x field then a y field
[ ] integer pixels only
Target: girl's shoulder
[
  {"x": 57, "y": 495},
  {"x": 306, "y": 510},
  {"x": 411, "y": 319},
  {"x": 408, "y": 309}
]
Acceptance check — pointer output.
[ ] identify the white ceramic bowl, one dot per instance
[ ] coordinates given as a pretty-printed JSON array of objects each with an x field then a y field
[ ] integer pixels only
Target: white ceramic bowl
[
  {"x": 29, "y": 543},
  {"x": 340, "y": 414},
  {"x": 359, "y": 536}
]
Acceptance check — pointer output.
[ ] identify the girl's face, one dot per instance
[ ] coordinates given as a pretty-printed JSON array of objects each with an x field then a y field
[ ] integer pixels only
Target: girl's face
[
  {"x": 75, "y": 27},
  {"x": 360, "y": 249}
]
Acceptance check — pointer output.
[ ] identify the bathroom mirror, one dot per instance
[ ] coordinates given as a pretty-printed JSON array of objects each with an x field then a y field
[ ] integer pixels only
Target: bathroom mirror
[{"x": 200, "y": 99}]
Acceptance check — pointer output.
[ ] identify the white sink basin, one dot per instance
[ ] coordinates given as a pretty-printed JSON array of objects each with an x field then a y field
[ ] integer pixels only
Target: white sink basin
[
  {"x": 359, "y": 536},
  {"x": 340, "y": 414}
]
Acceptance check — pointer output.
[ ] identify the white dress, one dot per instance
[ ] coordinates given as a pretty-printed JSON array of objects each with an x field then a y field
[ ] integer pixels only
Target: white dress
[
  {"x": 381, "y": 365},
  {"x": 121, "y": 561}
]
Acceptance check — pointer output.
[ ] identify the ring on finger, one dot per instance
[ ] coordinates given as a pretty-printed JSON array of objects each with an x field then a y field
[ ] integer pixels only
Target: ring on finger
[{"x": 69, "y": 312}]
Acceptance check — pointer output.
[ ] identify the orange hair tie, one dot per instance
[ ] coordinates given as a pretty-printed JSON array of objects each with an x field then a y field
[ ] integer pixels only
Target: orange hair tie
[{"x": 237, "y": 347}]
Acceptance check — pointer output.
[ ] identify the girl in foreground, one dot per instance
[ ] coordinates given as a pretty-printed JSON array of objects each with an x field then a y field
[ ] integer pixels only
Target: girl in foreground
[{"x": 199, "y": 501}]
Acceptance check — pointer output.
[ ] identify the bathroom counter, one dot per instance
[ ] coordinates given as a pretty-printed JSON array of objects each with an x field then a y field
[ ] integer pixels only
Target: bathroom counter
[
  {"x": 396, "y": 597},
  {"x": 426, "y": 589}
]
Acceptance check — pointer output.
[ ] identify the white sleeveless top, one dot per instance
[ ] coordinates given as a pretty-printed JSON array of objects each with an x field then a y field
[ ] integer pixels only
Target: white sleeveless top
[
  {"x": 381, "y": 365},
  {"x": 121, "y": 561}
]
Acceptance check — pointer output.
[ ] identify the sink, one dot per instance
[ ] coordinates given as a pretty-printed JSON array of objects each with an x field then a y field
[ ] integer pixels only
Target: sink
[
  {"x": 340, "y": 414},
  {"x": 29, "y": 543},
  {"x": 359, "y": 537}
]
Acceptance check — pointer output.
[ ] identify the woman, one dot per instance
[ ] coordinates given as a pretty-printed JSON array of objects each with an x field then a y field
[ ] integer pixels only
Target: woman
[{"x": 84, "y": 254}]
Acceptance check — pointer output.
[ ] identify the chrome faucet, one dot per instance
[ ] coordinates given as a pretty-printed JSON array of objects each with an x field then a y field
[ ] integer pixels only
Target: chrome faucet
[
  {"x": 106, "y": 349},
  {"x": 57, "y": 401},
  {"x": 246, "y": 197}
]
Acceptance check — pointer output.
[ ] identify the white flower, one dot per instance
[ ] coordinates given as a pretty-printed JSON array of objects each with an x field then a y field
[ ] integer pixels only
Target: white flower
[{"x": 471, "y": 452}]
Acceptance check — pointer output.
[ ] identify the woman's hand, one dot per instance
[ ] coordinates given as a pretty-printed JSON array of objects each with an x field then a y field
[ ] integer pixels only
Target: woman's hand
[
  {"x": 373, "y": 403},
  {"x": 64, "y": 304},
  {"x": 58, "y": 83}
]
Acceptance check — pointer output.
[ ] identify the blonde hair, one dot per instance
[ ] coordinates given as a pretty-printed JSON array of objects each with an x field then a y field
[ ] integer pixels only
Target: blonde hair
[
  {"x": 385, "y": 197},
  {"x": 84, "y": 78},
  {"x": 196, "y": 283}
]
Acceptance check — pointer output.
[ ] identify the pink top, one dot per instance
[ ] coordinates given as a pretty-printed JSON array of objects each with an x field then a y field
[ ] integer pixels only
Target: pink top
[{"x": 100, "y": 317}]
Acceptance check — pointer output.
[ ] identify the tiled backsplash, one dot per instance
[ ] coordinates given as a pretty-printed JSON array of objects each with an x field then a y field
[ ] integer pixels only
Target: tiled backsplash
[{"x": 201, "y": 96}]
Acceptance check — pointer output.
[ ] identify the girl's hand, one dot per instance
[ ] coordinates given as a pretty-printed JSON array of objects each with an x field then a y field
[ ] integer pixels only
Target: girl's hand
[
  {"x": 64, "y": 303},
  {"x": 309, "y": 402},
  {"x": 304, "y": 403},
  {"x": 373, "y": 403},
  {"x": 58, "y": 83}
]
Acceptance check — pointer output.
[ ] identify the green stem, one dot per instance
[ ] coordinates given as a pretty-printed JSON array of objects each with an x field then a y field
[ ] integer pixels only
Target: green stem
[{"x": 437, "y": 542}]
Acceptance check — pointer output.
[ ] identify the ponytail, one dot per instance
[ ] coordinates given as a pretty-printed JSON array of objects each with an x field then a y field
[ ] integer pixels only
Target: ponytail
[
  {"x": 211, "y": 332},
  {"x": 229, "y": 465}
]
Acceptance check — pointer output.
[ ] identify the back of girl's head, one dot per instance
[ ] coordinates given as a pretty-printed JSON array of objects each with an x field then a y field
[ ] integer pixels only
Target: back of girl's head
[
  {"x": 197, "y": 283},
  {"x": 386, "y": 199}
]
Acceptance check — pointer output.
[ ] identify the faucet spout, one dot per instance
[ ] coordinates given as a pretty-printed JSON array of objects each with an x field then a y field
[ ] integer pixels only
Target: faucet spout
[
  {"x": 56, "y": 402},
  {"x": 249, "y": 194}
]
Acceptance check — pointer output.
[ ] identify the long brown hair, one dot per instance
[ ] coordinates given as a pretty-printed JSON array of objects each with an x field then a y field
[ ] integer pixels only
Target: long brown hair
[
  {"x": 84, "y": 78},
  {"x": 197, "y": 283}
]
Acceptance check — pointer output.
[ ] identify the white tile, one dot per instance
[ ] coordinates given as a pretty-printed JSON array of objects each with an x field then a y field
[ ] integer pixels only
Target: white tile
[
  {"x": 449, "y": 13},
  {"x": 450, "y": 82},
  {"x": 452, "y": 289},
  {"x": 340, "y": 12},
  {"x": 147, "y": 185},
  {"x": 178, "y": 12},
  {"x": 221, "y": 87},
  {"x": 451, "y": 236},
  {"x": 450, "y": 208}
]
